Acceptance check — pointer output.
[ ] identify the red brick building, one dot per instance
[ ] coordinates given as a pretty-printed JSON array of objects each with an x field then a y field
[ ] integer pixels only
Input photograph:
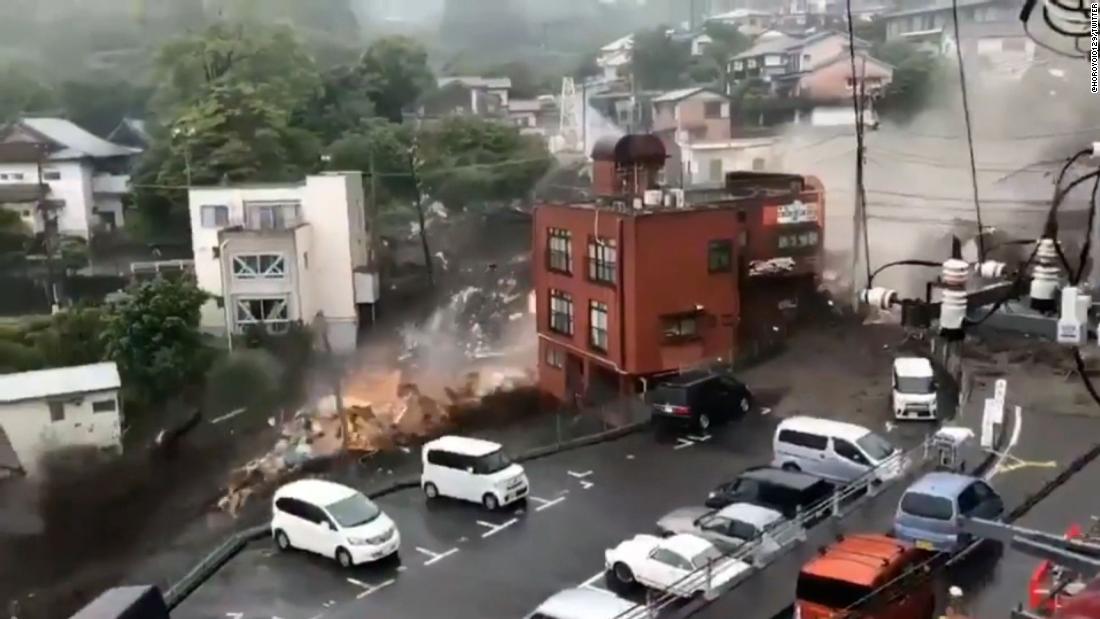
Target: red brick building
[{"x": 643, "y": 281}]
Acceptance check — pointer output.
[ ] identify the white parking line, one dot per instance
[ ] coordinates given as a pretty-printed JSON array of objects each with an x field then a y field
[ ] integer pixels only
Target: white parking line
[
  {"x": 684, "y": 443},
  {"x": 496, "y": 528},
  {"x": 435, "y": 556},
  {"x": 586, "y": 484},
  {"x": 544, "y": 504},
  {"x": 700, "y": 439},
  {"x": 374, "y": 589},
  {"x": 579, "y": 475}
]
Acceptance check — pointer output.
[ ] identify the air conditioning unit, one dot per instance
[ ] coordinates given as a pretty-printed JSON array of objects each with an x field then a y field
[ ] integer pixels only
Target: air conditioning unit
[
  {"x": 653, "y": 197},
  {"x": 638, "y": 205}
]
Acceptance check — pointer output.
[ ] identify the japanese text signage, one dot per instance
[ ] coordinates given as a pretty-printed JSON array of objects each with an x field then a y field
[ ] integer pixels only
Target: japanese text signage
[{"x": 796, "y": 212}]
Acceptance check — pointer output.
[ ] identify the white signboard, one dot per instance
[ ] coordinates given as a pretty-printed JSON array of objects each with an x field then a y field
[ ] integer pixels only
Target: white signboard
[
  {"x": 1000, "y": 388},
  {"x": 796, "y": 212},
  {"x": 990, "y": 418}
]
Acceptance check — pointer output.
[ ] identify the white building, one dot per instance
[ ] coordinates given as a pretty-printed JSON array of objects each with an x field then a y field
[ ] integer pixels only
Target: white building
[
  {"x": 80, "y": 177},
  {"x": 63, "y": 407},
  {"x": 614, "y": 58},
  {"x": 277, "y": 254}
]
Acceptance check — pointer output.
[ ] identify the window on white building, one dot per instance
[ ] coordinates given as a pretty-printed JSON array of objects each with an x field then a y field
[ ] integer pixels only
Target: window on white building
[
  {"x": 51, "y": 175},
  {"x": 259, "y": 266},
  {"x": 275, "y": 216},
  {"x": 215, "y": 215},
  {"x": 57, "y": 411},
  {"x": 17, "y": 176},
  {"x": 104, "y": 406},
  {"x": 272, "y": 312}
]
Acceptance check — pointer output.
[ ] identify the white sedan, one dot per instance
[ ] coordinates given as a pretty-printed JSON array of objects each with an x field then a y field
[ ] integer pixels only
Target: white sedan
[{"x": 676, "y": 565}]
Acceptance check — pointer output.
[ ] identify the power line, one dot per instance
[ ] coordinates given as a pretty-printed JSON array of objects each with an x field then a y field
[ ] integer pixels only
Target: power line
[{"x": 969, "y": 129}]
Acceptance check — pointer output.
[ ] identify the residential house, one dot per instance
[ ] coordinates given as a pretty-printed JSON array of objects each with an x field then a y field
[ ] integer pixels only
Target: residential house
[
  {"x": 131, "y": 132},
  {"x": 81, "y": 178},
  {"x": 644, "y": 281},
  {"x": 498, "y": 88},
  {"x": 928, "y": 23},
  {"x": 541, "y": 116},
  {"x": 271, "y": 255},
  {"x": 777, "y": 56},
  {"x": 1000, "y": 49},
  {"x": 750, "y": 22},
  {"x": 685, "y": 118},
  {"x": 614, "y": 58},
  {"x": 46, "y": 410}
]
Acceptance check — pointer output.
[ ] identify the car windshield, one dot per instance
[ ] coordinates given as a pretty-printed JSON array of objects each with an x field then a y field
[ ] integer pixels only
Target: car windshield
[
  {"x": 915, "y": 384},
  {"x": 927, "y": 506},
  {"x": 875, "y": 446},
  {"x": 353, "y": 511},
  {"x": 706, "y": 556},
  {"x": 491, "y": 463},
  {"x": 743, "y": 530}
]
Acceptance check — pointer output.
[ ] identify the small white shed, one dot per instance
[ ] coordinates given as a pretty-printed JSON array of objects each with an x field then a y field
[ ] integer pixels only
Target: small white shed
[{"x": 60, "y": 407}]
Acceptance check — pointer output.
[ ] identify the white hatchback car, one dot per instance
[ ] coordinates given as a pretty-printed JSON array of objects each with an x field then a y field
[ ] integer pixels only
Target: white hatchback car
[
  {"x": 676, "y": 565},
  {"x": 471, "y": 469},
  {"x": 333, "y": 521}
]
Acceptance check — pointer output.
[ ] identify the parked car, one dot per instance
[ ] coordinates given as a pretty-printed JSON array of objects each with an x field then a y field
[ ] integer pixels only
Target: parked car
[
  {"x": 728, "y": 528},
  {"x": 787, "y": 492},
  {"x": 928, "y": 513},
  {"x": 332, "y": 520},
  {"x": 582, "y": 604},
  {"x": 698, "y": 399},
  {"x": 665, "y": 563},
  {"x": 472, "y": 469},
  {"x": 849, "y": 571},
  {"x": 914, "y": 393},
  {"x": 842, "y": 452}
]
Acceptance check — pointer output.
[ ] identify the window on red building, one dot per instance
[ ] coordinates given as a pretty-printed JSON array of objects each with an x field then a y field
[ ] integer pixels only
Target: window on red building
[
  {"x": 680, "y": 326},
  {"x": 602, "y": 260},
  {"x": 560, "y": 248},
  {"x": 597, "y": 325},
  {"x": 555, "y": 357},
  {"x": 720, "y": 256},
  {"x": 561, "y": 312}
]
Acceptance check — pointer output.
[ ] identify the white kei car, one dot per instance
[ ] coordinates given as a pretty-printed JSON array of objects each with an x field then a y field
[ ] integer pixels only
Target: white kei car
[{"x": 675, "y": 565}]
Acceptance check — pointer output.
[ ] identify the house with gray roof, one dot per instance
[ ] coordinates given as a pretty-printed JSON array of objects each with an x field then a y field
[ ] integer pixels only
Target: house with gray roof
[
  {"x": 928, "y": 23},
  {"x": 57, "y": 175}
]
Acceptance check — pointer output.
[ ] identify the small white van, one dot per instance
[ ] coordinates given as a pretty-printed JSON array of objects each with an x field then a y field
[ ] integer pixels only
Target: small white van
[
  {"x": 333, "y": 521},
  {"x": 914, "y": 389},
  {"x": 838, "y": 451},
  {"x": 472, "y": 469}
]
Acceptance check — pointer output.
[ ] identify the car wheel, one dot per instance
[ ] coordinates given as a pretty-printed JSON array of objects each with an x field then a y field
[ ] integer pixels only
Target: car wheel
[
  {"x": 343, "y": 557},
  {"x": 430, "y": 490},
  {"x": 623, "y": 573},
  {"x": 281, "y": 540},
  {"x": 490, "y": 501},
  {"x": 704, "y": 422},
  {"x": 791, "y": 466}
]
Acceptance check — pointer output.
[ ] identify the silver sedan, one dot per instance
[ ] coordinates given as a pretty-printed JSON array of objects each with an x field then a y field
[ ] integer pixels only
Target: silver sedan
[{"x": 728, "y": 528}]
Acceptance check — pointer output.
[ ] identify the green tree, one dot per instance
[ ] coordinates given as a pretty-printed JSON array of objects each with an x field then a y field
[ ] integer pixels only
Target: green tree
[
  {"x": 659, "y": 62},
  {"x": 713, "y": 65},
  {"x": 468, "y": 160},
  {"x": 154, "y": 337},
  {"x": 73, "y": 337},
  {"x": 383, "y": 146},
  {"x": 917, "y": 73},
  {"x": 342, "y": 105},
  {"x": 99, "y": 106},
  {"x": 15, "y": 237},
  {"x": 22, "y": 92},
  {"x": 396, "y": 73}
]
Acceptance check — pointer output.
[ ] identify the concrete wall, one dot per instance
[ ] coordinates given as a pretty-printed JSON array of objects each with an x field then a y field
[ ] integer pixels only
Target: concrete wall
[
  {"x": 32, "y": 434},
  {"x": 741, "y": 155}
]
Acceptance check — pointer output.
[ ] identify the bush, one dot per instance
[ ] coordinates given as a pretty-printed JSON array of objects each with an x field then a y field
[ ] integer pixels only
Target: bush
[
  {"x": 15, "y": 357},
  {"x": 249, "y": 379}
]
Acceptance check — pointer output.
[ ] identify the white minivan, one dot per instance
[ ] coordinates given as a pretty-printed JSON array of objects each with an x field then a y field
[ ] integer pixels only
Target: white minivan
[
  {"x": 472, "y": 469},
  {"x": 835, "y": 450},
  {"x": 914, "y": 388},
  {"x": 332, "y": 520}
]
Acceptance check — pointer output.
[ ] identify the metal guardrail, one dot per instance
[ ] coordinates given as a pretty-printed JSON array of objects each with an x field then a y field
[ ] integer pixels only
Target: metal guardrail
[{"x": 791, "y": 530}]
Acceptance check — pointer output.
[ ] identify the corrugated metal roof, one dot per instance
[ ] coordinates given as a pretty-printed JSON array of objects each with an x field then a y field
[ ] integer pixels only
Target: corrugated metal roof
[
  {"x": 58, "y": 381},
  {"x": 76, "y": 143}
]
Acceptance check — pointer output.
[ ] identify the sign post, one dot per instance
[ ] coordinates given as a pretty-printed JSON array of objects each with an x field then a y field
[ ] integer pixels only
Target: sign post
[{"x": 990, "y": 422}]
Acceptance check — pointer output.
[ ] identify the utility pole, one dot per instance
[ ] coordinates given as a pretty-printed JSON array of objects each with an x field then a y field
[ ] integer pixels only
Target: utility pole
[
  {"x": 49, "y": 222},
  {"x": 320, "y": 323}
]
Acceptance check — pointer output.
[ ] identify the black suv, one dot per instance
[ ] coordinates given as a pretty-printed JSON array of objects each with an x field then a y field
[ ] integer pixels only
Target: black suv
[
  {"x": 787, "y": 492},
  {"x": 698, "y": 399}
]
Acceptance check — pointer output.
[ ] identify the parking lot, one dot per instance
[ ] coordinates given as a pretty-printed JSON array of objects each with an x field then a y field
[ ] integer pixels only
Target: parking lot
[{"x": 459, "y": 561}]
